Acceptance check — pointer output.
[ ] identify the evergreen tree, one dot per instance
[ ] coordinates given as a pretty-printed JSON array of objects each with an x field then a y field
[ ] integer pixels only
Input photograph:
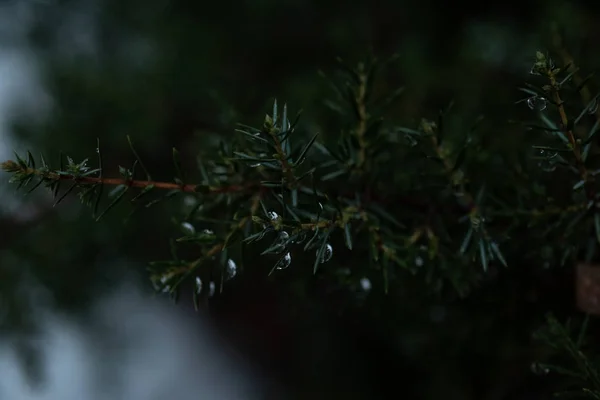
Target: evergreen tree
[{"x": 439, "y": 219}]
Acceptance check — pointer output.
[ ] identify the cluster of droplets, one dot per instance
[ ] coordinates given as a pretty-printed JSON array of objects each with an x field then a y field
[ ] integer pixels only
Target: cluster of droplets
[
  {"x": 283, "y": 239},
  {"x": 199, "y": 285},
  {"x": 230, "y": 272},
  {"x": 543, "y": 65},
  {"x": 163, "y": 283}
]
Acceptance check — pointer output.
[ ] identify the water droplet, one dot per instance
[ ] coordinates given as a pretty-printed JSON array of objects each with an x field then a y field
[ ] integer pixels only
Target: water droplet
[
  {"x": 258, "y": 164},
  {"x": 545, "y": 153},
  {"x": 220, "y": 170},
  {"x": 190, "y": 201},
  {"x": 272, "y": 215},
  {"x": 188, "y": 228},
  {"x": 198, "y": 285},
  {"x": 537, "y": 103},
  {"x": 327, "y": 253},
  {"x": 365, "y": 284},
  {"x": 280, "y": 243},
  {"x": 230, "y": 269},
  {"x": 412, "y": 142},
  {"x": 539, "y": 369},
  {"x": 593, "y": 107},
  {"x": 211, "y": 289},
  {"x": 284, "y": 261},
  {"x": 547, "y": 165},
  {"x": 534, "y": 70},
  {"x": 160, "y": 283}
]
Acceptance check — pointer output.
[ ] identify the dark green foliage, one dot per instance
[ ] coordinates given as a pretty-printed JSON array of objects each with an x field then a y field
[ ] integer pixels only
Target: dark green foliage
[{"x": 435, "y": 198}]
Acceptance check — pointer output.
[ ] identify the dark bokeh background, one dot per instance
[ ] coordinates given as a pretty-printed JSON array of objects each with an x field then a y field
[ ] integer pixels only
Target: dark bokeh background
[{"x": 182, "y": 73}]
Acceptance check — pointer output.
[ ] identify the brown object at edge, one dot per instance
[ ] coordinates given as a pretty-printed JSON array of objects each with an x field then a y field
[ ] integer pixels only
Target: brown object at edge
[{"x": 587, "y": 288}]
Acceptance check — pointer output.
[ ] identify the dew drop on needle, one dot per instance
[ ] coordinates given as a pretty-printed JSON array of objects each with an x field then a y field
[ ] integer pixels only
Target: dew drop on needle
[
  {"x": 327, "y": 253},
  {"x": 231, "y": 269},
  {"x": 284, "y": 262},
  {"x": 537, "y": 103}
]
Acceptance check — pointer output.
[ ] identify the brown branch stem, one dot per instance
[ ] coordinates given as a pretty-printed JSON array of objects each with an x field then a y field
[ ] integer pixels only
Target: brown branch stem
[
  {"x": 587, "y": 178},
  {"x": 361, "y": 107},
  {"x": 190, "y": 188}
]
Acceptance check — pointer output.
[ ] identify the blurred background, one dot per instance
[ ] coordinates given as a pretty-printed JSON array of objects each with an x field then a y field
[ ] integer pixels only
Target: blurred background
[{"x": 182, "y": 74}]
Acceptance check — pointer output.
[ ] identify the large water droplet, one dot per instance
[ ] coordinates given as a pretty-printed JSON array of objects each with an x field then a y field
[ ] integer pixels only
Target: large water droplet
[
  {"x": 537, "y": 103},
  {"x": 284, "y": 261},
  {"x": 230, "y": 269},
  {"x": 188, "y": 228},
  {"x": 327, "y": 253}
]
